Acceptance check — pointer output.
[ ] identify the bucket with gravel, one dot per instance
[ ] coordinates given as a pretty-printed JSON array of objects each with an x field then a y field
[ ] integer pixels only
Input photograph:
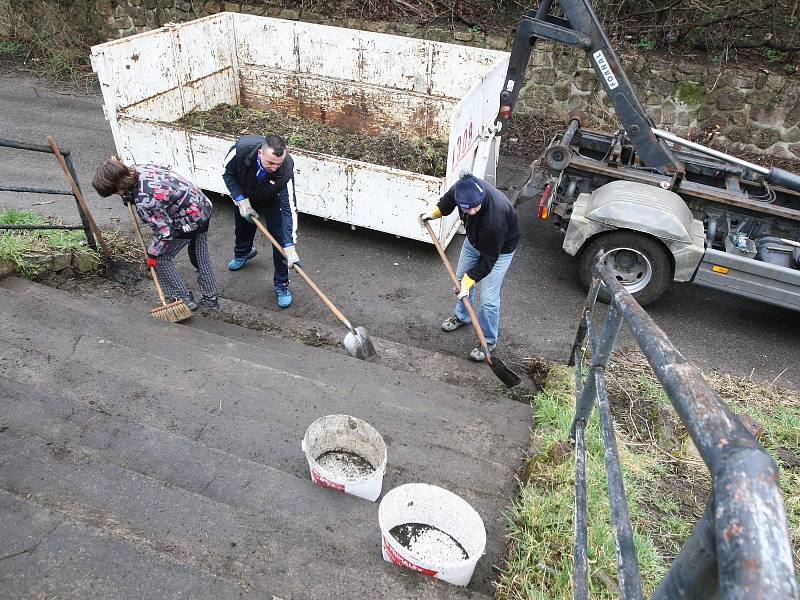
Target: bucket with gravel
[
  {"x": 431, "y": 530},
  {"x": 346, "y": 454}
]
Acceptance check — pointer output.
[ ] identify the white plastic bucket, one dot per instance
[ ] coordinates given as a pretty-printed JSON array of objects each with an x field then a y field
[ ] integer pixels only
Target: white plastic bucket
[
  {"x": 349, "y": 434},
  {"x": 437, "y": 507}
]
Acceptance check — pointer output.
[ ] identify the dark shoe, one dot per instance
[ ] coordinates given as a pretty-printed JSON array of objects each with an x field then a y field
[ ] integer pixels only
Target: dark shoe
[
  {"x": 452, "y": 324},
  {"x": 238, "y": 261},
  {"x": 188, "y": 300},
  {"x": 478, "y": 355},
  {"x": 283, "y": 294},
  {"x": 209, "y": 302}
]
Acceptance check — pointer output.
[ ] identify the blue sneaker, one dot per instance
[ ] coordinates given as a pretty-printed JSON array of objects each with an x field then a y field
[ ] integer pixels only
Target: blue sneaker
[
  {"x": 238, "y": 261},
  {"x": 283, "y": 294}
]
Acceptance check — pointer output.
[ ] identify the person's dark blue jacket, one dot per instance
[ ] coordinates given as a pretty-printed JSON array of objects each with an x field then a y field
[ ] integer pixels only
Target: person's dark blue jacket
[
  {"x": 241, "y": 165},
  {"x": 493, "y": 230}
]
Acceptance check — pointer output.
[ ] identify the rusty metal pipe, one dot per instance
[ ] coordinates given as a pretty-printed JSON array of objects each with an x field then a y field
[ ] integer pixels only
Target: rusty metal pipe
[{"x": 752, "y": 537}]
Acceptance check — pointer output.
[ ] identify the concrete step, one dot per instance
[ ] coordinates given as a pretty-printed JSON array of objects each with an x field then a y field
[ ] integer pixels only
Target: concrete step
[
  {"x": 209, "y": 513},
  {"x": 328, "y": 333},
  {"x": 237, "y": 403},
  {"x": 318, "y": 363},
  {"x": 453, "y": 368},
  {"x": 461, "y": 456},
  {"x": 296, "y": 401},
  {"x": 49, "y": 555}
]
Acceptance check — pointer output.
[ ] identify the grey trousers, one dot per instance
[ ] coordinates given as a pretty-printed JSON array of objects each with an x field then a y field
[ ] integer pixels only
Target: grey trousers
[{"x": 168, "y": 276}]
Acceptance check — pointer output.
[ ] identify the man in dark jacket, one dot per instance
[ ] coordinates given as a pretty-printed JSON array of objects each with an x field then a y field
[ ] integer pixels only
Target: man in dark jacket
[
  {"x": 178, "y": 213},
  {"x": 259, "y": 175},
  {"x": 492, "y": 236}
]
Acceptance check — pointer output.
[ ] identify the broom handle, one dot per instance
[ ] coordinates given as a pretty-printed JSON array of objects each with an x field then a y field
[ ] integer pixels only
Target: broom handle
[
  {"x": 307, "y": 279},
  {"x": 79, "y": 196},
  {"x": 465, "y": 301},
  {"x": 144, "y": 247}
]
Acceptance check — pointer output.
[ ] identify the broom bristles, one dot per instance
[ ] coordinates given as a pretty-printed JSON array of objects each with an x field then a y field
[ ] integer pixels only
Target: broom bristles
[{"x": 172, "y": 312}]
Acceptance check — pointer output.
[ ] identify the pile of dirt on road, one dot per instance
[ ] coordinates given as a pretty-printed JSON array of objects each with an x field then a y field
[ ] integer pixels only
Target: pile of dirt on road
[{"x": 427, "y": 156}]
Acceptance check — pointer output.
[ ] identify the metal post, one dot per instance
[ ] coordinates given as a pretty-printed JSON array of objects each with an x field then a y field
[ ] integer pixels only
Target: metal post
[
  {"x": 602, "y": 354},
  {"x": 586, "y": 318},
  {"x": 580, "y": 569},
  {"x": 70, "y": 227},
  {"x": 693, "y": 575},
  {"x": 27, "y": 190},
  {"x": 630, "y": 583}
]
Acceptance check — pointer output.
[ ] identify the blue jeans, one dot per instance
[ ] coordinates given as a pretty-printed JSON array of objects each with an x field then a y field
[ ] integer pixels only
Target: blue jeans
[
  {"x": 489, "y": 312},
  {"x": 246, "y": 233}
]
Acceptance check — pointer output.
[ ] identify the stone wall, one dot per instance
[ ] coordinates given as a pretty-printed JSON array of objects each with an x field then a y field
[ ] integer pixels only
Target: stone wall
[{"x": 751, "y": 110}]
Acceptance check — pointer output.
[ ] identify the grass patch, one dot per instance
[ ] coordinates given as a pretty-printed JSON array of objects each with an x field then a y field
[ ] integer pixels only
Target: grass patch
[
  {"x": 539, "y": 561},
  {"x": 667, "y": 488},
  {"x": 427, "y": 156},
  {"x": 26, "y": 248},
  {"x": 10, "y": 47}
]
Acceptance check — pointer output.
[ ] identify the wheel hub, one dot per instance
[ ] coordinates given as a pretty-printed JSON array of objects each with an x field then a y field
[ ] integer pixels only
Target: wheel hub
[{"x": 630, "y": 267}]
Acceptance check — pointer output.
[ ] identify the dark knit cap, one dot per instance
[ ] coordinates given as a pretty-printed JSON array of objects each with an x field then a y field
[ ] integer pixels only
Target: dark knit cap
[{"x": 468, "y": 191}]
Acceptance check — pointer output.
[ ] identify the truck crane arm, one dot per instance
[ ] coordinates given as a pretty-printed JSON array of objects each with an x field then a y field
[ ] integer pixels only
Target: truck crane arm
[{"x": 582, "y": 29}]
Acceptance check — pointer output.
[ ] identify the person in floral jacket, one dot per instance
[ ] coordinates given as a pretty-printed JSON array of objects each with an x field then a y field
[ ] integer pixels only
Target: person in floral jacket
[{"x": 178, "y": 213}]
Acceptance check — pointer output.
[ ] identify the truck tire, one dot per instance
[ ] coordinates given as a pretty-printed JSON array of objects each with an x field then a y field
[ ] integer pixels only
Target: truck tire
[{"x": 639, "y": 262}]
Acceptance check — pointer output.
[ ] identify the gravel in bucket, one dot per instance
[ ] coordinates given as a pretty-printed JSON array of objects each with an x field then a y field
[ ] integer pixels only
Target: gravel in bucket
[
  {"x": 344, "y": 464},
  {"x": 430, "y": 543}
]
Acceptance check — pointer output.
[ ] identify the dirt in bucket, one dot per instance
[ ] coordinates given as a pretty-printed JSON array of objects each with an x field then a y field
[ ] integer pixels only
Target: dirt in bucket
[
  {"x": 347, "y": 465},
  {"x": 434, "y": 544}
]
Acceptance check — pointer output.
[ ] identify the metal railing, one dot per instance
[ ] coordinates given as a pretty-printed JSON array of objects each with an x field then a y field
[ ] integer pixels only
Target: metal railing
[
  {"x": 87, "y": 230},
  {"x": 740, "y": 548}
]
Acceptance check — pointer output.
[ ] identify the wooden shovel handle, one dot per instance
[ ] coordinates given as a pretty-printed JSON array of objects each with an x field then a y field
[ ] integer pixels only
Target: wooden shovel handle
[
  {"x": 77, "y": 192},
  {"x": 144, "y": 248},
  {"x": 464, "y": 300},
  {"x": 307, "y": 279}
]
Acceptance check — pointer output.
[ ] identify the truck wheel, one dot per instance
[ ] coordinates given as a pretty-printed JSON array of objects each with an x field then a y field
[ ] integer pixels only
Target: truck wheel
[{"x": 638, "y": 262}]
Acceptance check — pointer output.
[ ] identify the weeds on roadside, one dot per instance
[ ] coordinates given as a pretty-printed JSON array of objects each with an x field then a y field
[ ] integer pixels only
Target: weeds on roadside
[
  {"x": 539, "y": 559},
  {"x": 666, "y": 488},
  {"x": 25, "y": 247},
  {"x": 53, "y": 39}
]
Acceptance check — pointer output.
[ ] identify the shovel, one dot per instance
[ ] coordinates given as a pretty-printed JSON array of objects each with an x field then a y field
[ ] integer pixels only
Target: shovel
[
  {"x": 503, "y": 372},
  {"x": 116, "y": 269},
  {"x": 356, "y": 342}
]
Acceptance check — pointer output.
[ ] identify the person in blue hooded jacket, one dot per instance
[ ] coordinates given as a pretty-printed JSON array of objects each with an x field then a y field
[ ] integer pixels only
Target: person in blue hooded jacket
[
  {"x": 492, "y": 236},
  {"x": 259, "y": 174}
]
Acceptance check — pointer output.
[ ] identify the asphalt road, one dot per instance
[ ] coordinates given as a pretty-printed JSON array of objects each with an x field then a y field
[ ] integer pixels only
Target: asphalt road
[{"x": 395, "y": 287}]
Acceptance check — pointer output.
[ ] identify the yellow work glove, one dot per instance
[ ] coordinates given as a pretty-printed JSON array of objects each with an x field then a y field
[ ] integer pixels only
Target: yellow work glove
[
  {"x": 433, "y": 213},
  {"x": 466, "y": 284}
]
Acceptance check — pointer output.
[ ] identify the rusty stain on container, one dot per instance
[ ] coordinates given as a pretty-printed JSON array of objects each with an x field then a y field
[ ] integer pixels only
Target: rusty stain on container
[{"x": 348, "y": 171}]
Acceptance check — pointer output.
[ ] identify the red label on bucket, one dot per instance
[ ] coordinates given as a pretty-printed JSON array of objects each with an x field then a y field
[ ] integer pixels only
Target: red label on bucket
[
  {"x": 324, "y": 482},
  {"x": 396, "y": 559}
]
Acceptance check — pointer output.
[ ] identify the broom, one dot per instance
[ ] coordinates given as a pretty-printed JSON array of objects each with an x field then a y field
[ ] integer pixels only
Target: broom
[{"x": 173, "y": 312}]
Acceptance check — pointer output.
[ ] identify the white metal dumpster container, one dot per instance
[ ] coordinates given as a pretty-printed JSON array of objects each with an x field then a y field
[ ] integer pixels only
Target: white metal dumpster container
[{"x": 358, "y": 80}]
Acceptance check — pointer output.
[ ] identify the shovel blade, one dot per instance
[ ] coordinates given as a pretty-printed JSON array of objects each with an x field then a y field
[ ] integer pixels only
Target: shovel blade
[
  {"x": 359, "y": 345},
  {"x": 503, "y": 372}
]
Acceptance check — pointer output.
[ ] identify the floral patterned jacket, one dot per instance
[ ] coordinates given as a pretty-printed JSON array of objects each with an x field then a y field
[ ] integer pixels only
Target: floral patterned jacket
[{"x": 172, "y": 205}]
